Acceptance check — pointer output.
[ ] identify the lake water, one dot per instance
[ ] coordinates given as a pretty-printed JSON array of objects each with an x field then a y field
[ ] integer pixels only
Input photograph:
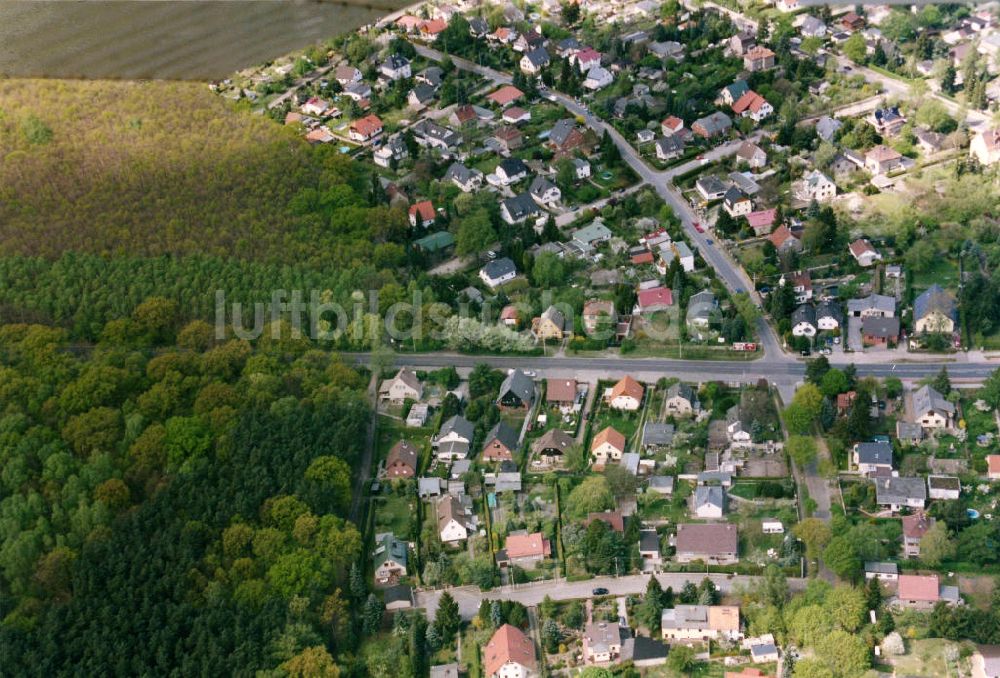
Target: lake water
[{"x": 165, "y": 39}]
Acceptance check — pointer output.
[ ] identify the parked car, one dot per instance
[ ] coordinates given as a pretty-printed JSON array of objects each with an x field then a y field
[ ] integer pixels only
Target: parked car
[{"x": 600, "y": 591}]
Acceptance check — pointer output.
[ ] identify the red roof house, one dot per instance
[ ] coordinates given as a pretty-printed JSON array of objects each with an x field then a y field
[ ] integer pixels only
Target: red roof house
[
  {"x": 422, "y": 214},
  {"x": 506, "y": 95}
]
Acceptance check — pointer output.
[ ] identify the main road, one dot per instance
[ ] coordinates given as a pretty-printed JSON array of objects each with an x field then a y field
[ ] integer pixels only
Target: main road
[{"x": 469, "y": 598}]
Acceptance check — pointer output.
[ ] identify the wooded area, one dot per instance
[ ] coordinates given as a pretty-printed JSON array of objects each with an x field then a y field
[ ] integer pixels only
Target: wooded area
[{"x": 173, "y": 504}]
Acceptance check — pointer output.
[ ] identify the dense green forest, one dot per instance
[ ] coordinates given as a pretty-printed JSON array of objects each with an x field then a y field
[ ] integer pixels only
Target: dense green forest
[{"x": 175, "y": 505}]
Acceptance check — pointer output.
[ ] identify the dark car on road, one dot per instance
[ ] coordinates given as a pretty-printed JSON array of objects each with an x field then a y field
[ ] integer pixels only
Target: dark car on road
[{"x": 600, "y": 591}]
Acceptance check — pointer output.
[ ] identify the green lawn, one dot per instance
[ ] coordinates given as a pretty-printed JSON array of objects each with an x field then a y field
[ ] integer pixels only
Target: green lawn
[{"x": 392, "y": 514}]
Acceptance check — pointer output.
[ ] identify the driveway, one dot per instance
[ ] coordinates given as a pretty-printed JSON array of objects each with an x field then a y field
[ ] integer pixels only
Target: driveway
[{"x": 854, "y": 341}]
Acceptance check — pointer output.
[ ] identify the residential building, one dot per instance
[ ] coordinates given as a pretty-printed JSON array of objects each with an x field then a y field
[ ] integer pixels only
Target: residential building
[
  {"x": 452, "y": 520},
  {"x": 887, "y": 121},
  {"x": 801, "y": 283},
  {"x": 509, "y": 138},
  {"x": 702, "y": 311},
  {"x": 625, "y": 395},
  {"x": 509, "y": 654},
  {"x": 396, "y": 67},
  {"x": 944, "y": 487},
  {"x": 565, "y": 136},
  {"x": 524, "y": 550},
  {"x": 509, "y": 171},
  {"x": 827, "y": 127},
  {"x": 909, "y": 433},
  {"x": 758, "y": 59},
  {"x": 551, "y": 325},
  {"x": 680, "y": 399},
  {"x": 708, "y": 501},
  {"x": 882, "y": 159},
  {"x": 712, "y": 543},
  {"x": 671, "y": 126},
  {"x": 500, "y": 444},
  {"x": 422, "y": 214},
  {"x": 505, "y": 96},
  {"x": 873, "y": 458},
  {"x": 864, "y": 252},
  {"x": 915, "y": 526},
  {"x": 700, "y": 623},
  {"x": 730, "y": 93},
  {"x": 923, "y": 592},
  {"x": 762, "y": 221},
  {"x": 497, "y": 272},
  {"x": 736, "y": 431},
  {"x": 935, "y": 311},
  {"x": 985, "y": 146},
  {"x": 684, "y": 255},
  {"x": 608, "y": 444},
  {"x": 402, "y": 460},
  {"x": 544, "y": 192},
  {"x": 392, "y": 150},
  {"x": 597, "y": 78},
  {"x": 784, "y": 240},
  {"x": 534, "y": 61},
  {"x": 515, "y": 115},
  {"x": 812, "y": 27},
  {"x": 752, "y": 105},
  {"x": 347, "y": 75},
  {"x": 403, "y": 386},
  {"x": 710, "y": 187},
  {"x": 872, "y": 306},
  {"x": 828, "y": 315},
  {"x": 657, "y": 435},
  {"x": 880, "y": 331},
  {"x": 467, "y": 180},
  {"x": 602, "y": 642},
  {"x": 517, "y": 391},
  {"x": 714, "y": 125},
  {"x": 519, "y": 208},
  {"x": 429, "y": 134},
  {"x": 899, "y": 492},
  {"x": 932, "y": 410},
  {"x": 552, "y": 445},
  {"x": 817, "y": 186},
  {"x": 599, "y": 314},
  {"x": 736, "y": 203},
  {"x": 398, "y": 597},
  {"x": 560, "y": 392},
  {"x": 653, "y": 300},
  {"x": 804, "y": 321},
  {"x": 591, "y": 235},
  {"x": 420, "y": 96},
  {"x": 993, "y": 466},
  {"x": 456, "y": 429},
  {"x": 881, "y": 571},
  {"x": 365, "y": 129},
  {"x": 669, "y": 148},
  {"x": 390, "y": 558},
  {"x": 752, "y": 154}
]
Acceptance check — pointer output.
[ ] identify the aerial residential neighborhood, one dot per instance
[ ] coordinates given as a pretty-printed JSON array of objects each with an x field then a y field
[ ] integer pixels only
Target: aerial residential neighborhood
[
  {"x": 716, "y": 183},
  {"x": 504, "y": 339}
]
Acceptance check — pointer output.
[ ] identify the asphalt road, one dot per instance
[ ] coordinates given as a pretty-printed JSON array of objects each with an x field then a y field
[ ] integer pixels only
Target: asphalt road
[
  {"x": 470, "y": 597},
  {"x": 780, "y": 369}
]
